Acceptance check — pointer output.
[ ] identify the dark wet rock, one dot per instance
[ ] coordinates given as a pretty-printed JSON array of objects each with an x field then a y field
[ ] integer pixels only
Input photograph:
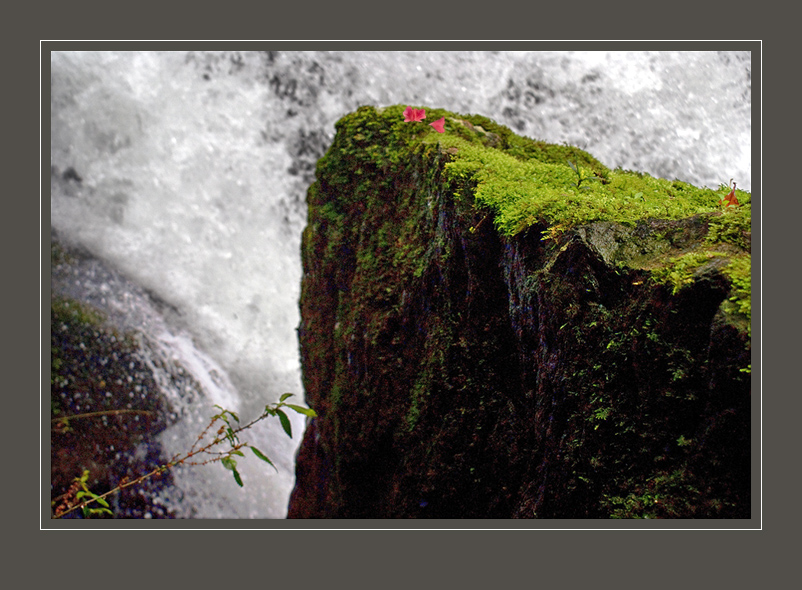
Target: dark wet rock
[
  {"x": 106, "y": 408},
  {"x": 463, "y": 371}
]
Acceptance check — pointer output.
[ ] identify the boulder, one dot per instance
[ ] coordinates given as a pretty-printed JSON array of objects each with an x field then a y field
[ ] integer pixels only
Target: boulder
[{"x": 496, "y": 327}]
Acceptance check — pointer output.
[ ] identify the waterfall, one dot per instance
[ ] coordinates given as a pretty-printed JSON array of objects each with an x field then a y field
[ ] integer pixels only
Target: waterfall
[{"x": 193, "y": 237}]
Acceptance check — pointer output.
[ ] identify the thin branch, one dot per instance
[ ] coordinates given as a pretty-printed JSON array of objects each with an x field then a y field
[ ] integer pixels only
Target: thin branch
[
  {"x": 169, "y": 465},
  {"x": 224, "y": 433},
  {"x": 103, "y": 413}
]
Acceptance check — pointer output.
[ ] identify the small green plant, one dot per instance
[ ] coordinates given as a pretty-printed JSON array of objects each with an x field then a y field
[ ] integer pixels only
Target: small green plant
[
  {"x": 580, "y": 178},
  {"x": 600, "y": 414},
  {"x": 79, "y": 490},
  {"x": 79, "y": 497}
]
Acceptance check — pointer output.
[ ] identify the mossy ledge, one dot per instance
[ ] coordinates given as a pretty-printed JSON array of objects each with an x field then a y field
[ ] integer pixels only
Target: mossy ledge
[{"x": 496, "y": 327}]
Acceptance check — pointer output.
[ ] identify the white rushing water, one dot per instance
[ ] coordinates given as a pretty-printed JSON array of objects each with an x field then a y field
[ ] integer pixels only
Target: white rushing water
[{"x": 186, "y": 172}]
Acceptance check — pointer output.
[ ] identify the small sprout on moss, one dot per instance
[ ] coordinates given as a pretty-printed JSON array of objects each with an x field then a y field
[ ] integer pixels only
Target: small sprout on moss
[{"x": 579, "y": 178}]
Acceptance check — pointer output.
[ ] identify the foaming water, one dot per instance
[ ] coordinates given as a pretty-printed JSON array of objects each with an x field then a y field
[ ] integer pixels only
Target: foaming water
[
  {"x": 194, "y": 386},
  {"x": 165, "y": 178}
]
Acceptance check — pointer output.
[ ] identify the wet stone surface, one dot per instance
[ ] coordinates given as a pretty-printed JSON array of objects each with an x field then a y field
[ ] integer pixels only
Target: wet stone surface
[{"x": 106, "y": 409}]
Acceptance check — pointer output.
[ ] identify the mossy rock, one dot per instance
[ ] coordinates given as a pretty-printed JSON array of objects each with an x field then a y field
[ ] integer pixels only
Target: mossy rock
[{"x": 497, "y": 326}]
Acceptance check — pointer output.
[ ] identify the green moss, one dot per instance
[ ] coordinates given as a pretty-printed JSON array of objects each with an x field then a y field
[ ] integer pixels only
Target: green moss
[
  {"x": 521, "y": 180},
  {"x": 727, "y": 246},
  {"x": 67, "y": 312},
  {"x": 418, "y": 393},
  {"x": 67, "y": 315},
  {"x": 733, "y": 226},
  {"x": 519, "y": 183},
  {"x": 524, "y": 182},
  {"x": 739, "y": 305},
  {"x": 523, "y": 192},
  {"x": 680, "y": 271}
]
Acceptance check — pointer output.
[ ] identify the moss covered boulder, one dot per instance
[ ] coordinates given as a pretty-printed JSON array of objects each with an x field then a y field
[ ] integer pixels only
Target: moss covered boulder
[{"x": 493, "y": 326}]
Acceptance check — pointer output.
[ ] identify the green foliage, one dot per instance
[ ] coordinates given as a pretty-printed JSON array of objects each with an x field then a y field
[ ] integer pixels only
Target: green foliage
[
  {"x": 230, "y": 432},
  {"x": 263, "y": 457},
  {"x": 418, "y": 398},
  {"x": 525, "y": 192},
  {"x": 371, "y": 139},
  {"x": 667, "y": 494},
  {"x": 740, "y": 273},
  {"x": 81, "y": 497},
  {"x": 680, "y": 270},
  {"x": 85, "y": 492},
  {"x": 600, "y": 414},
  {"x": 580, "y": 178},
  {"x": 634, "y": 506},
  {"x": 733, "y": 226},
  {"x": 525, "y": 182}
]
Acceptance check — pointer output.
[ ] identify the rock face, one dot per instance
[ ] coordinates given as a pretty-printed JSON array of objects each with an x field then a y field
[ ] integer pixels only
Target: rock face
[{"x": 494, "y": 327}]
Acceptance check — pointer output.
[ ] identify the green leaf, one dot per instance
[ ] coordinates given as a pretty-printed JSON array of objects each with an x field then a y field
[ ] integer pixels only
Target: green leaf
[
  {"x": 285, "y": 422},
  {"x": 285, "y": 396},
  {"x": 236, "y": 452},
  {"x": 263, "y": 457},
  {"x": 237, "y": 478},
  {"x": 301, "y": 410},
  {"x": 229, "y": 463},
  {"x": 97, "y": 511}
]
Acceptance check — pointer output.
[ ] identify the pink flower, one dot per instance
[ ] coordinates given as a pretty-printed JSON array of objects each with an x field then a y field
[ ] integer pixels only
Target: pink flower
[
  {"x": 411, "y": 114},
  {"x": 439, "y": 125}
]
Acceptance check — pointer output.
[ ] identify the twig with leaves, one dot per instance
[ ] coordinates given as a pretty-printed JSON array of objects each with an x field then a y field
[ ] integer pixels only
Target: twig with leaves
[{"x": 79, "y": 497}]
